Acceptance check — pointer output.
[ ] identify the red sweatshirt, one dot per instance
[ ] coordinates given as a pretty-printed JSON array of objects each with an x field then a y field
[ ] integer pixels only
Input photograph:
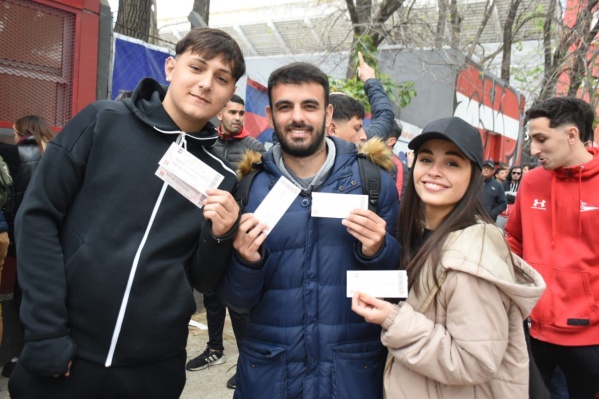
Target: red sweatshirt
[
  {"x": 554, "y": 226},
  {"x": 241, "y": 134}
]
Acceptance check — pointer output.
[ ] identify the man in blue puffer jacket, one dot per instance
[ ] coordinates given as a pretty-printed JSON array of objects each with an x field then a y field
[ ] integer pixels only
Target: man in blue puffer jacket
[{"x": 302, "y": 340}]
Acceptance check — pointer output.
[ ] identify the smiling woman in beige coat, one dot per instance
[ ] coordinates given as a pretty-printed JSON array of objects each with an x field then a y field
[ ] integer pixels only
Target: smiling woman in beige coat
[{"x": 460, "y": 332}]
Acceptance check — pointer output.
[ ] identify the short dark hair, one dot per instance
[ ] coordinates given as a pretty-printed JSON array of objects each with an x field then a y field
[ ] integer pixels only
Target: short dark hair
[
  {"x": 396, "y": 131},
  {"x": 237, "y": 99},
  {"x": 210, "y": 43},
  {"x": 298, "y": 73},
  {"x": 346, "y": 107},
  {"x": 501, "y": 166},
  {"x": 563, "y": 110}
]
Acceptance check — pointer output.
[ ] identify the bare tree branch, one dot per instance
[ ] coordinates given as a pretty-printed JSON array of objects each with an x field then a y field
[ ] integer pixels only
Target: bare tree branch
[{"x": 489, "y": 7}]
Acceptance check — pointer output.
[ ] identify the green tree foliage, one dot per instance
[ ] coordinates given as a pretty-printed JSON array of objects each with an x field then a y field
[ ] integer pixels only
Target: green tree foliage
[{"x": 401, "y": 93}]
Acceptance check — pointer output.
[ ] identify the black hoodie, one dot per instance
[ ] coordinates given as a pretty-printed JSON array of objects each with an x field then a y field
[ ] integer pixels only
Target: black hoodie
[{"x": 111, "y": 249}]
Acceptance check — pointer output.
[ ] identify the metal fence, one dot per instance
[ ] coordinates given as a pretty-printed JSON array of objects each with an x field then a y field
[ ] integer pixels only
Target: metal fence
[{"x": 37, "y": 45}]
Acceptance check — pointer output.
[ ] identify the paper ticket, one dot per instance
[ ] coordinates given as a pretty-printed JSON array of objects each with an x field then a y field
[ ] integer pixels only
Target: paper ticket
[
  {"x": 196, "y": 197},
  {"x": 276, "y": 203},
  {"x": 378, "y": 283},
  {"x": 329, "y": 205},
  {"x": 197, "y": 174}
]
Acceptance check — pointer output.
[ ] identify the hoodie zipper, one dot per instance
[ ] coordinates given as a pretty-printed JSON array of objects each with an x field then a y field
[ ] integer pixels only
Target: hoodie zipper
[{"x": 121, "y": 316}]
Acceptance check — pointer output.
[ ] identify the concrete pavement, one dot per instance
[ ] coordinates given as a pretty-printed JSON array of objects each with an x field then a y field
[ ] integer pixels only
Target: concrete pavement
[{"x": 210, "y": 383}]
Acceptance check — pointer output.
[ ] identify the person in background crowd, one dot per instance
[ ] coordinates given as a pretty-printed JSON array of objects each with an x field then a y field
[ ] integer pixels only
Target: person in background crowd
[
  {"x": 510, "y": 187},
  {"x": 459, "y": 333},
  {"x": 302, "y": 340},
  {"x": 492, "y": 194},
  {"x": 31, "y": 135},
  {"x": 349, "y": 113},
  {"x": 233, "y": 140},
  {"x": 554, "y": 226},
  {"x": 347, "y": 120},
  {"x": 401, "y": 180},
  {"x": 512, "y": 184},
  {"x": 232, "y": 143},
  {"x": 109, "y": 252},
  {"x": 346, "y": 124},
  {"x": 501, "y": 172},
  {"x": 4, "y": 244}
]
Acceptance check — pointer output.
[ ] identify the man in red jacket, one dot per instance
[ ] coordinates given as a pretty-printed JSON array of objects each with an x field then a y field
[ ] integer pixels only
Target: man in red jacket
[{"x": 554, "y": 226}]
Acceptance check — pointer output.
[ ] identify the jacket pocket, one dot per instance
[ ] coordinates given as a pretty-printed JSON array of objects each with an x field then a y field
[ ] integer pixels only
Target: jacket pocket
[
  {"x": 262, "y": 367},
  {"x": 358, "y": 369},
  {"x": 574, "y": 304},
  {"x": 71, "y": 243}
]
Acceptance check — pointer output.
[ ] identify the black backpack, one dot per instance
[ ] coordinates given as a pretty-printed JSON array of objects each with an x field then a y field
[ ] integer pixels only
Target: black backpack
[{"x": 369, "y": 174}]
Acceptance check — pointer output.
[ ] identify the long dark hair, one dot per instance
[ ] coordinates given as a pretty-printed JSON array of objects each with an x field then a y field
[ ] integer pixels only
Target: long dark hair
[
  {"x": 37, "y": 127},
  {"x": 509, "y": 176},
  {"x": 467, "y": 211}
]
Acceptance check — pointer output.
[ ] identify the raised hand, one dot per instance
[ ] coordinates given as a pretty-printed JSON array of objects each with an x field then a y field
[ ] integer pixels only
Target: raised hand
[
  {"x": 222, "y": 210},
  {"x": 365, "y": 71},
  {"x": 249, "y": 238},
  {"x": 367, "y": 227}
]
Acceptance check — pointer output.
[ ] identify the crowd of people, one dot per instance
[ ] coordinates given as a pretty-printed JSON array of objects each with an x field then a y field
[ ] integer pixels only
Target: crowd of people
[{"x": 137, "y": 202}]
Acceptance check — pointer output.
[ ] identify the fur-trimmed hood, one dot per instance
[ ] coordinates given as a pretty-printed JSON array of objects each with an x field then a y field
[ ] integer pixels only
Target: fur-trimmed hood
[
  {"x": 374, "y": 149},
  {"x": 377, "y": 151}
]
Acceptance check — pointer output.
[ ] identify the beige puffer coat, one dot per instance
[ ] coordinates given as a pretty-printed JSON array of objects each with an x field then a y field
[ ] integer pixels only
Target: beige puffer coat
[{"x": 464, "y": 340}]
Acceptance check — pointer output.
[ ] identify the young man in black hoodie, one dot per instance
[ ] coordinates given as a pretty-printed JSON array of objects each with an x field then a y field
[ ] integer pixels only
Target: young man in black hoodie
[{"x": 113, "y": 251}]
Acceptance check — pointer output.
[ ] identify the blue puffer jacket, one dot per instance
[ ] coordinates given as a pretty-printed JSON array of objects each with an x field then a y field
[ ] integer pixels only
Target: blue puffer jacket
[
  {"x": 382, "y": 120},
  {"x": 303, "y": 340}
]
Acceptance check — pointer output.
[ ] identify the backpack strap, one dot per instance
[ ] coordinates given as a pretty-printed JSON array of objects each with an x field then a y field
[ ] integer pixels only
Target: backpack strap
[{"x": 370, "y": 174}]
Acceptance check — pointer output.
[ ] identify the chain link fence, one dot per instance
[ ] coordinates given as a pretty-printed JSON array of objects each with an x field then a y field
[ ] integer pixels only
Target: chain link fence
[{"x": 37, "y": 45}]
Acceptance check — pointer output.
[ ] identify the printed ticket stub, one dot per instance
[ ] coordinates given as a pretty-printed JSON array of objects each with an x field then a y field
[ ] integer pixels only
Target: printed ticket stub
[
  {"x": 275, "y": 204},
  {"x": 329, "y": 205},
  {"x": 196, "y": 197},
  {"x": 190, "y": 169},
  {"x": 378, "y": 283},
  {"x": 187, "y": 174}
]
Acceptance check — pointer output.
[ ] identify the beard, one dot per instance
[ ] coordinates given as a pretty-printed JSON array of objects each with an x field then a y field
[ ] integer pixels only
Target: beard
[{"x": 303, "y": 148}]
